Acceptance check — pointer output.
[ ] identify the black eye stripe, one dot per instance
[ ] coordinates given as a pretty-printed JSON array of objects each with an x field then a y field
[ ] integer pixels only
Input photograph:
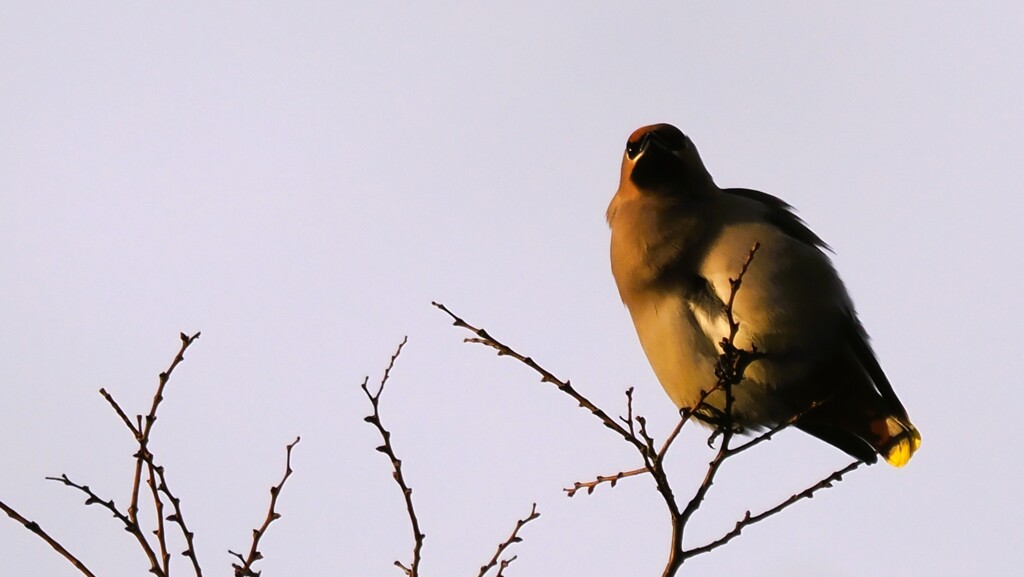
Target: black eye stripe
[{"x": 668, "y": 138}]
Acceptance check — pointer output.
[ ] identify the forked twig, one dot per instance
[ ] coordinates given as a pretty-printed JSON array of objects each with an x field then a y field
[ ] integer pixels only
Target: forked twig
[
  {"x": 749, "y": 519},
  {"x": 417, "y": 535},
  {"x": 483, "y": 338},
  {"x": 642, "y": 443},
  {"x": 497, "y": 560},
  {"x": 156, "y": 479},
  {"x": 730, "y": 370},
  {"x": 245, "y": 569},
  {"x": 159, "y": 561}
]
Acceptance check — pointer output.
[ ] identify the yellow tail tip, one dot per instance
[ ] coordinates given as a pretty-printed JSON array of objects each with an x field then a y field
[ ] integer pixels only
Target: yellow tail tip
[{"x": 902, "y": 445}]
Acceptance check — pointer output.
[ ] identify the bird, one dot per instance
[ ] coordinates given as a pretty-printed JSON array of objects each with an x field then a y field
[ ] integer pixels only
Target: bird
[{"x": 677, "y": 243}]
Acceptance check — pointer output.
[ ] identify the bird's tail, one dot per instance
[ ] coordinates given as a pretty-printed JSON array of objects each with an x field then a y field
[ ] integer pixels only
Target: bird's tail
[{"x": 897, "y": 439}]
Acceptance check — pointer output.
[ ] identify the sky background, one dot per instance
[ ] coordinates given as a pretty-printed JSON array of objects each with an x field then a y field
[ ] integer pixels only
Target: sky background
[{"x": 299, "y": 180}]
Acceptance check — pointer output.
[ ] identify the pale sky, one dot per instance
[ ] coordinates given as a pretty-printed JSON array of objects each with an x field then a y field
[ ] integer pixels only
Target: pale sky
[{"x": 298, "y": 181}]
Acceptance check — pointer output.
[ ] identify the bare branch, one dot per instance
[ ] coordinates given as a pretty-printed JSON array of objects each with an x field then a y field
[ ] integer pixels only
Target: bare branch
[
  {"x": 612, "y": 480},
  {"x": 156, "y": 479},
  {"x": 734, "y": 287},
  {"x": 143, "y": 429},
  {"x": 245, "y": 569},
  {"x": 186, "y": 342},
  {"x": 144, "y": 461},
  {"x": 417, "y": 535},
  {"x": 35, "y": 528},
  {"x": 179, "y": 518},
  {"x": 729, "y": 371},
  {"x": 158, "y": 506},
  {"x": 120, "y": 413},
  {"x": 645, "y": 446},
  {"x": 749, "y": 519},
  {"x": 486, "y": 339},
  {"x": 129, "y": 524},
  {"x": 496, "y": 560}
]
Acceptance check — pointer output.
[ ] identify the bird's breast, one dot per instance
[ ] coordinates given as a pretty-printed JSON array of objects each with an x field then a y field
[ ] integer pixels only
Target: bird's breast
[{"x": 679, "y": 350}]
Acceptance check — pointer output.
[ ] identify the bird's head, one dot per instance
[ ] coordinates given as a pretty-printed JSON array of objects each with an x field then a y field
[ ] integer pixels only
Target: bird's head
[{"x": 660, "y": 159}]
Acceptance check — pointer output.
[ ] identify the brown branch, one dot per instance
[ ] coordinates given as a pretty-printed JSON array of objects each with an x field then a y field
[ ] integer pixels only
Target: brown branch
[
  {"x": 645, "y": 446},
  {"x": 144, "y": 461},
  {"x": 504, "y": 565},
  {"x": 158, "y": 506},
  {"x": 245, "y": 569},
  {"x": 179, "y": 519},
  {"x": 186, "y": 342},
  {"x": 35, "y": 528},
  {"x": 729, "y": 370},
  {"x": 612, "y": 480},
  {"x": 486, "y": 339},
  {"x": 140, "y": 459},
  {"x": 144, "y": 428},
  {"x": 417, "y": 535},
  {"x": 144, "y": 458},
  {"x": 749, "y": 519},
  {"x": 496, "y": 560},
  {"x": 734, "y": 287},
  {"x": 130, "y": 525},
  {"x": 120, "y": 413},
  {"x": 141, "y": 431},
  {"x": 157, "y": 481}
]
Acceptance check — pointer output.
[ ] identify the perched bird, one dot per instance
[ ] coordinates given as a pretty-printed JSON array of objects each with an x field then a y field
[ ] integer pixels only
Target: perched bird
[{"x": 677, "y": 240}]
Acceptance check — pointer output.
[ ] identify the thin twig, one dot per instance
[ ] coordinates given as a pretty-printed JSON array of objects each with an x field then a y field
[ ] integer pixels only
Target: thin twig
[
  {"x": 144, "y": 428},
  {"x": 179, "y": 518},
  {"x": 512, "y": 539},
  {"x": 120, "y": 413},
  {"x": 729, "y": 370},
  {"x": 671, "y": 437},
  {"x": 734, "y": 287},
  {"x": 749, "y": 519},
  {"x": 612, "y": 480},
  {"x": 156, "y": 479},
  {"x": 144, "y": 461},
  {"x": 504, "y": 565},
  {"x": 129, "y": 524},
  {"x": 245, "y": 569},
  {"x": 158, "y": 506},
  {"x": 186, "y": 342},
  {"x": 35, "y": 528},
  {"x": 651, "y": 458},
  {"x": 486, "y": 339},
  {"x": 417, "y": 535}
]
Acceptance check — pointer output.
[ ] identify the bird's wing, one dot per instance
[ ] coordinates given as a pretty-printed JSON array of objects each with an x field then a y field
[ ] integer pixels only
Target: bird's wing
[
  {"x": 857, "y": 337},
  {"x": 780, "y": 214}
]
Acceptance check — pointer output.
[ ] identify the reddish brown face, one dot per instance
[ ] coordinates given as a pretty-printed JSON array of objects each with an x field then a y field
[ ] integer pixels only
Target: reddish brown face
[
  {"x": 660, "y": 159},
  {"x": 665, "y": 135}
]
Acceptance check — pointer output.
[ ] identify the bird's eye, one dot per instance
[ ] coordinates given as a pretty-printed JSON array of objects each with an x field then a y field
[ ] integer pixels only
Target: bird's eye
[{"x": 633, "y": 148}]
